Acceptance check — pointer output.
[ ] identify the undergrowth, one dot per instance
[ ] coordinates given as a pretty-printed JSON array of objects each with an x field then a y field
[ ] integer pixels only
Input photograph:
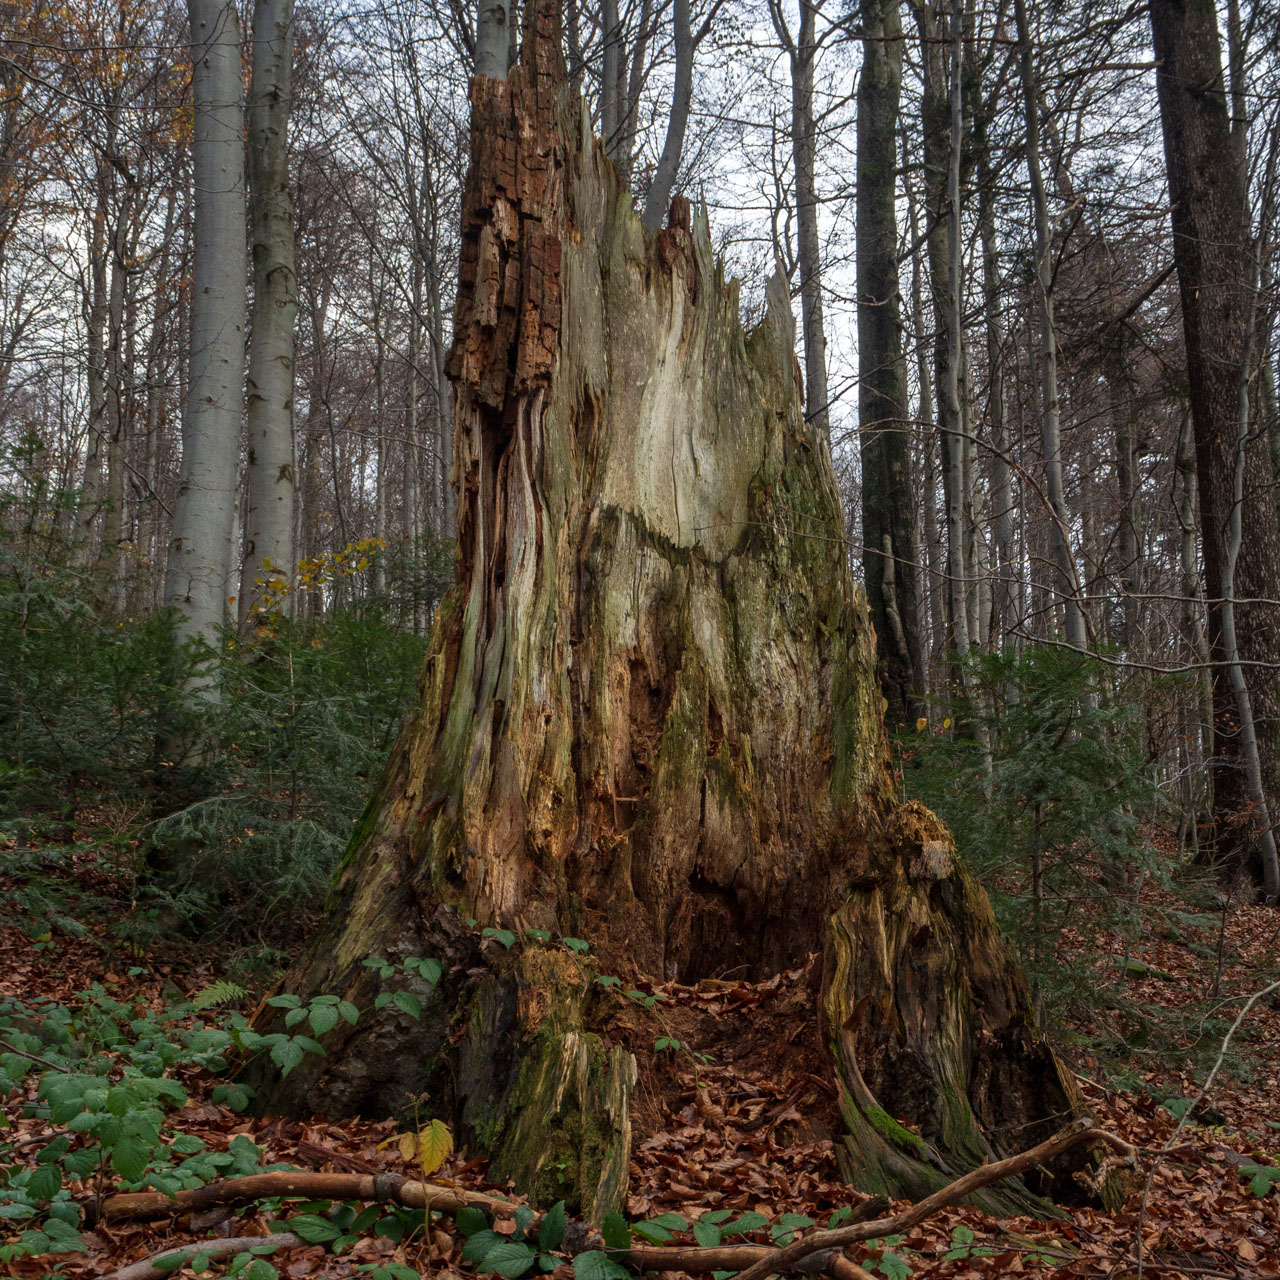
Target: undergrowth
[
  {"x": 241, "y": 847},
  {"x": 1042, "y": 774}
]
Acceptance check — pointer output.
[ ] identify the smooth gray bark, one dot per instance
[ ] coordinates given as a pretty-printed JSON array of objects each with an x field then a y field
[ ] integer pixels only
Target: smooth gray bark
[
  {"x": 1249, "y": 748},
  {"x": 200, "y": 549},
  {"x": 268, "y": 540},
  {"x": 933, "y": 612},
  {"x": 493, "y": 39},
  {"x": 1217, "y": 277},
  {"x": 629, "y": 93},
  {"x": 610, "y": 60},
  {"x": 958, "y": 561},
  {"x": 1001, "y": 610}
]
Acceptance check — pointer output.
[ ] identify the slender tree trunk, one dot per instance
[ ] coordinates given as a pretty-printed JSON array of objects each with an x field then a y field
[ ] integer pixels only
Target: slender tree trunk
[
  {"x": 155, "y": 391},
  {"x": 200, "y": 552},
  {"x": 1213, "y": 257},
  {"x": 1193, "y": 612},
  {"x": 1067, "y": 583},
  {"x": 935, "y": 588},
  {"x": 624, "y": 739},
  {"x": 802, "y": 52},
  {"x": 1001, "y": 612},
  {"x": 951, "y": 340},
  {"x": 942, "y": 120},
  {"x": 93, "y": 484},
  {"x": 413, "y": 527},
  {"x": 611, "y": 55},
  {"x": 1128, "y": 544},
  {"x": 664, "y": 178},
  {"x": 268, "y": 533},
  {"x": 381, "y": 447},
  {"x": 1249, "y": 749},
  {"x": 116, "y": 416},
  {"x": 629, "y": 98},
  {"x": 888, "y": 505}
]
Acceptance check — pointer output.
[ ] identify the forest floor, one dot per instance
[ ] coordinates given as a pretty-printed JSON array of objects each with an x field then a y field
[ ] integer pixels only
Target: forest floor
[{"x": 741, "y": 1116}]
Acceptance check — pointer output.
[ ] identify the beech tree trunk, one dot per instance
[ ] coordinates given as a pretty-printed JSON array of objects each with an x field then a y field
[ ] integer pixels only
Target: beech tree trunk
[
  {"x": 268, "y": 541},
  {"x": 200, "y": 551},
  {"x": 649, "y": 719}
]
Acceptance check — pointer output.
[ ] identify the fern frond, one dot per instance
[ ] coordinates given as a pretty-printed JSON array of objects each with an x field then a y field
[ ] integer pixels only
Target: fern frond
[{"x": 218, "y": 993}]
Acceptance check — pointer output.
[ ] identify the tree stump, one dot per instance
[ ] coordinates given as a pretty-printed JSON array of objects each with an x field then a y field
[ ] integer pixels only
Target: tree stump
[{"x": 649, "y": 718}]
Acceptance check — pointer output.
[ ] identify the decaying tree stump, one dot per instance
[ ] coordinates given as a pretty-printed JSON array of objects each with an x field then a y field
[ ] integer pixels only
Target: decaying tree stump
[{"x": 649, "y": 718}]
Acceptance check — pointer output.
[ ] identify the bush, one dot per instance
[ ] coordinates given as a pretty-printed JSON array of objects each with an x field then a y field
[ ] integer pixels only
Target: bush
[
  {"x": 305, "y": 720},
  {"x": 82, "y": 697},
  {"x": 242, "y": 844}
]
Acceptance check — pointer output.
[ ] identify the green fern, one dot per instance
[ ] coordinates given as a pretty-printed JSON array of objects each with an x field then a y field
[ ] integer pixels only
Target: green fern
[{"x": 218, "y": 993}]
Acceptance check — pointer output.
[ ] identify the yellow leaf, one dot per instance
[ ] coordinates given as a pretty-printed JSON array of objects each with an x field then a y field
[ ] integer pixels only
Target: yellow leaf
[
  {"x": 435, "y": 1143},
  {"x": 920, "y": 724},
  {"x": 408, "y": 1145}
]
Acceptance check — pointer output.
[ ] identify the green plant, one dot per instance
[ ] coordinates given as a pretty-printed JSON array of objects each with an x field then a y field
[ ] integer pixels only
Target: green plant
[
  {"x": 881, "y": 1257},
  {"x": 510, "y": 1256},
  {"x": 1045, "y": 784},
  {"x": 1262, "y": 1177},
  {"x": 963, "y": 1246},
  {"x": 244, "y": 843},
  {"x": 106, "y": 1080},
  {"x": 103, "y": 1082},
  {"x": 305, "y": 719}
]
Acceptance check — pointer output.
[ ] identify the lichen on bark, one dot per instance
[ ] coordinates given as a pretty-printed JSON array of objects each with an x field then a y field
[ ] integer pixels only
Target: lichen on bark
[{"x": 649, "y": 715}]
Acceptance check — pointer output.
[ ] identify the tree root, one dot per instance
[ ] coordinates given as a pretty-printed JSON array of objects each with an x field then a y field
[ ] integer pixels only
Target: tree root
[{"x": 815, "y": 1253}]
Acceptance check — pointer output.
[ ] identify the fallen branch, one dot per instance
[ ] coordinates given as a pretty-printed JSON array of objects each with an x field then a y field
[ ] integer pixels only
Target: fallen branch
[
  {"x": 392, "y": 1188},
  {"x": 210, "y": 1248},
  {"x": 788, "y": 1258},
  {"x": 725, "y": 1257}
]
